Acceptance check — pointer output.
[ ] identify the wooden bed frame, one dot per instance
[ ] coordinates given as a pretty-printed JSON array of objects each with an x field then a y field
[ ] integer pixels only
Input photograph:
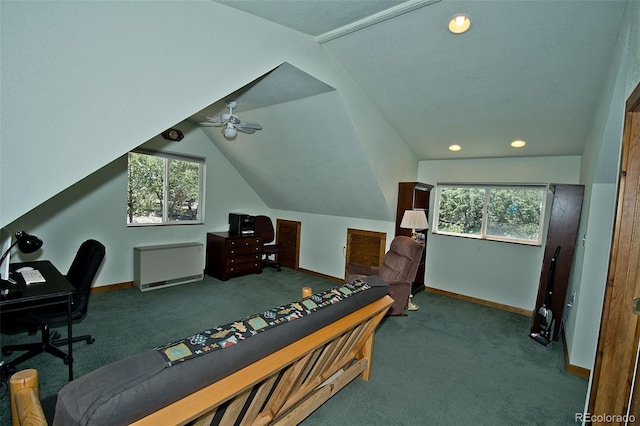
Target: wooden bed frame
[{"x": 281, "y": 389}]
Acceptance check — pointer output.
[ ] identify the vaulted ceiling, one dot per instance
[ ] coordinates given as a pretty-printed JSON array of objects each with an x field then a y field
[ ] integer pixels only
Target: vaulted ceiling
[
  {"x": 351, "y": 94},
  {"x": 529, "y": 70}
]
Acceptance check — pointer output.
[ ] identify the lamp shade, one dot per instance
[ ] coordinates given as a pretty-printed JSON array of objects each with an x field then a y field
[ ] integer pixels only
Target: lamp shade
[
  {"x": 414, "y": 219},
  {"x": 28, "y": 243}
]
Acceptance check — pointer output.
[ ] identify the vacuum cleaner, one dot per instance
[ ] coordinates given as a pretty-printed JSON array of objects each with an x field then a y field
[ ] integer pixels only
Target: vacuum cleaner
[{"x": 545, "y": 315}]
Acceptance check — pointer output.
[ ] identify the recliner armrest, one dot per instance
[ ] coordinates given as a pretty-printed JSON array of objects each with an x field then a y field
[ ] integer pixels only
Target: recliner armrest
[{"x": 362, "y": 270}]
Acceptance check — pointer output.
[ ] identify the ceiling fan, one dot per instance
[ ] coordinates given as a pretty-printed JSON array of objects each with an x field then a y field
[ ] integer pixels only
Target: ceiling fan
[{"x": 231, "y": 123}]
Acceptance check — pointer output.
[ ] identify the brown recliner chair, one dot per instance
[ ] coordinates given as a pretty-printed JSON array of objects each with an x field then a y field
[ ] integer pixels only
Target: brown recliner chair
[{"x": 398, "y": 269}]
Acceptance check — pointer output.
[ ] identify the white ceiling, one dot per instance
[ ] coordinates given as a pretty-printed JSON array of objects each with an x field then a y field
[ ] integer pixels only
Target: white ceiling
[{"x": 526, "y": 69}]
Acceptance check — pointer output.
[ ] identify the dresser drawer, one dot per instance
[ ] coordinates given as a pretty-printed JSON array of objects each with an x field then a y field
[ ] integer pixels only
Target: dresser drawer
[
  {"x": 243, "y": 268},
  {"x": 237, "y": 251},
  {"x": 240, "y": 259},
  {"x": 243, "y": 242}
]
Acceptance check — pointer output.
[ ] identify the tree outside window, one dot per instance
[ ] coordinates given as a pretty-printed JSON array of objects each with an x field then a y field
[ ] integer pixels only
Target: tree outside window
[
  {"x": 501, "y": 213},
  {"x": 163, "y": 189}
]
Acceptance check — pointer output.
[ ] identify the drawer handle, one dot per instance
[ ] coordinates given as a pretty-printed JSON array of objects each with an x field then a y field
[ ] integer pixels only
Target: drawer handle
[
  {"x": 233, "y": 251},
  {"x": 232, "y": 260}
]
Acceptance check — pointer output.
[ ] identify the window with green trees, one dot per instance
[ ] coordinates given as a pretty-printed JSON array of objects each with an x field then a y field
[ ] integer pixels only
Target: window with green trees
[
  {"x": 164, "y": 189},
  {"x": 502, "y": 213}
]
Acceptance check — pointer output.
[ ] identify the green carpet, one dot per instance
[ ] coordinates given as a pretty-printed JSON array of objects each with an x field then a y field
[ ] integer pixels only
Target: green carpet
[{"x": 450, "y": 363}]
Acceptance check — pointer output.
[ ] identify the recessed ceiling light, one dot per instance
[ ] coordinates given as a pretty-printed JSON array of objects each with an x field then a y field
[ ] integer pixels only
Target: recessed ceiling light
[
  {"x": 518, "y": 144},
  {"x": 454, "y": 148},
  {"x": 459, "y": 23}
]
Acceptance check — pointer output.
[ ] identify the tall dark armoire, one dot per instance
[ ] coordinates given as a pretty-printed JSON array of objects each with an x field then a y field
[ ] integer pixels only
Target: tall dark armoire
[
  {"x": 413, "y": 195},
  {"x": 563, "y": 231}
]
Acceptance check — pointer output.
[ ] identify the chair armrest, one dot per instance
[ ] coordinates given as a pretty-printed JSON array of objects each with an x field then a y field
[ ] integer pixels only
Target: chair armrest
[
  {"x": 356, "y": 271},
  {"x": 25, "y": 401},
  {"x": 362, "y": 270}
]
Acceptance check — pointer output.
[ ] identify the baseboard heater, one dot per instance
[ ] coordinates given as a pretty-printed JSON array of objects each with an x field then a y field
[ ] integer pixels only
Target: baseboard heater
[{"x": 167, "y": 265}]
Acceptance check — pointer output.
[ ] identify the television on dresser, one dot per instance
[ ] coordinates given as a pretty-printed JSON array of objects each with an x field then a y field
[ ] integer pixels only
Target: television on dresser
[{"x": 241, "y": 224}]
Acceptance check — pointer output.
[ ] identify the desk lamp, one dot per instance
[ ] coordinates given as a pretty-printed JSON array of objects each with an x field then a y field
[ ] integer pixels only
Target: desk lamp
[
  {"x": 414, "y": 219},
  {"x": 26, "y": 243}
]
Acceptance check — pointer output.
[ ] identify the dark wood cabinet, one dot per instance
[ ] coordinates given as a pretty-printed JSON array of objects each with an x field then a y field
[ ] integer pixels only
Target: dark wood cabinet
[
  {"x": 413, "y": 195},
  {"x": 232, "y": 255},
  {"x": 563, "y": 229}
]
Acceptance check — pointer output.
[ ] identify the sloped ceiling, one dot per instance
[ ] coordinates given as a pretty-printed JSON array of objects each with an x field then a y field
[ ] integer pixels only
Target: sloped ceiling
[
  {"x": 307, "y": 158},
  {"x": 398, "y": 89},
  {"x": 530, "y": 70}
]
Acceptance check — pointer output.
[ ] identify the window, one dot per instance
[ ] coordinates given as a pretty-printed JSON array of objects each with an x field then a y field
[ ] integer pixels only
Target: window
[
  {"x": 512, "y": 213},
  {"x": 164, "y": 189}
]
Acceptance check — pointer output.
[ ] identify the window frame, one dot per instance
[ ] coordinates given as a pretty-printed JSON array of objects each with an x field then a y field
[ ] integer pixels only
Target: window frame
[
  {"x": 166, "y": 155},
  {"x": 485, "y": 208}
]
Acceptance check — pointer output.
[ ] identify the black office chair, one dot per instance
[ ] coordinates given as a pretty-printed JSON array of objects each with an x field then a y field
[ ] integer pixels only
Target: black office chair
[
  {"x": 81, "y": 274},
  {"x": 264, "y": 228}
]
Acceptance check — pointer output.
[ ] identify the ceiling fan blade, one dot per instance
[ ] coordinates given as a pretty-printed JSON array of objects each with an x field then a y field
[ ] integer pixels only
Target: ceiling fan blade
[
  {"x": 245, "y": 130},
  {"x": 254, "y": 126}
]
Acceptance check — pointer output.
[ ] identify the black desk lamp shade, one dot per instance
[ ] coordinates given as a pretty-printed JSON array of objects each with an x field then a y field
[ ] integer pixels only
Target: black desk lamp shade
[{"x": 26, "y": 243}]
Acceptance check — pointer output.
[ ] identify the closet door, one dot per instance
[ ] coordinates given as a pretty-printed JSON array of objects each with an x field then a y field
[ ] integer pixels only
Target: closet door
[
  {"x": 365, "y": 247},
  {"x": 288, "y": 236}
]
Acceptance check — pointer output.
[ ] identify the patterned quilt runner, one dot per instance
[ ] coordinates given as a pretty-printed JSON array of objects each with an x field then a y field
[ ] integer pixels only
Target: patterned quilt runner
[{"x": 234, "y": 332}]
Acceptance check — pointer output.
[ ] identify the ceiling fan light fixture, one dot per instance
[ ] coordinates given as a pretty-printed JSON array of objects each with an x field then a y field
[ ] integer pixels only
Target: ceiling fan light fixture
[
  {"x": 230, "y": 131},
  {"x": 518, "y": 143},
  {"x": 459, "y": 23},
  {"x": 455, "y": 148}
]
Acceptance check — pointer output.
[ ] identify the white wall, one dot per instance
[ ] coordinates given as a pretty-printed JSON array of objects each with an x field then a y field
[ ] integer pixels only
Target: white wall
[
  {"x": 85, "y": 82},
  {"x": 583, "y": 319},
  {"x": 633, "y": 47},
  {"x": 323, "y": 239},
  {"x": 504, "y": 273},
  {"x": 96, "y": 208},
  {"x": 600, "y": 176}
]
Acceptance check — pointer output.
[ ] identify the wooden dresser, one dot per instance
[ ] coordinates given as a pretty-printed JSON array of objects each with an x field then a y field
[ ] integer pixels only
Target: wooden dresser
[{"x": 232, "y": 255}]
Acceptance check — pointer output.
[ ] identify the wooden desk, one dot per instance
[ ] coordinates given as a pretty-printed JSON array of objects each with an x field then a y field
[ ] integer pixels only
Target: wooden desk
[{"x": 56, "y": 290}]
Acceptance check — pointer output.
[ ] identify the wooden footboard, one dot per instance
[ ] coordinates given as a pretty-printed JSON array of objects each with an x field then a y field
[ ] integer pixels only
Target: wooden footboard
[{"x": 281, "y": 389}]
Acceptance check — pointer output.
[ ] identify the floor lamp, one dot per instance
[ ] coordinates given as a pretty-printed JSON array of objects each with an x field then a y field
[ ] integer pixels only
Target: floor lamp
[{"x": 414, "y": 219}]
